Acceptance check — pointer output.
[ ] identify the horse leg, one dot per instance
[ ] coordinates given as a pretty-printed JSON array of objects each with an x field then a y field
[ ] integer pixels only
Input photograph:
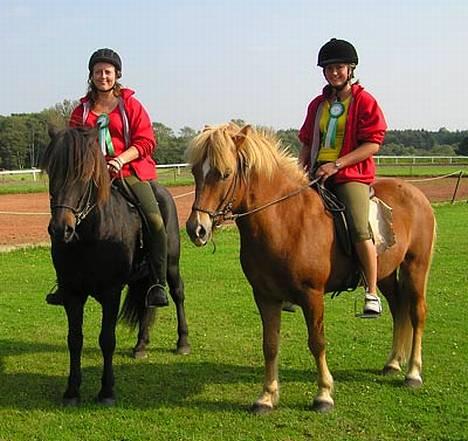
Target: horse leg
[
  {"x": 176, "y": 289},
  {"x": 74, "y": 307},
  {"x": 145, "y": 323},
  {"x": 110, "y": 310},
  {"x": 313, "y": 314},
  {"x": 270, "y": 313},
  {"x": 389, "y": 288},
  {"x": 413, "y": 274}
]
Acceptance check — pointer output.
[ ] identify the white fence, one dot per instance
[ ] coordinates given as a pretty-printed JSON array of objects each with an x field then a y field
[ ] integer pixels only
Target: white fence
[
  {"x": 387, "y": 160},
  {"x": 420, "y": 159},
  {"x": 37, "y": 171}
]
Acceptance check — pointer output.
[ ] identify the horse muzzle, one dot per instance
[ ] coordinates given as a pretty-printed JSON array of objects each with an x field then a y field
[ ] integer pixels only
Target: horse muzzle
[
  {"x": 199, "y": 228},
  {"x": 62, "y": 229}
]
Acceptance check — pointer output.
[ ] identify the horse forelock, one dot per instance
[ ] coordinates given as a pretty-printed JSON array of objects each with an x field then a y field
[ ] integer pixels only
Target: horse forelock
[
  {"x": 255, "y": 151},
  {"x": 215, "y": 145},
  {"x": 73, "y": 157}
]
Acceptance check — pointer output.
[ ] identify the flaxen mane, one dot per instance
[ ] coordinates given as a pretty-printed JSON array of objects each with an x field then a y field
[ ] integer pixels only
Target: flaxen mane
[{"x": 259, "y": 152}]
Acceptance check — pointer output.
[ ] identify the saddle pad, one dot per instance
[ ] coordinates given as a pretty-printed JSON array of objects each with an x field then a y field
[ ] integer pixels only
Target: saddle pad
[{"x": 380, "y": 220}]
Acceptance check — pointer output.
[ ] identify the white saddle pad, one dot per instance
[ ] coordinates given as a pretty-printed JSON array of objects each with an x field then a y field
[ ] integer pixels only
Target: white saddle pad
[{"x": 380, "y": 220}]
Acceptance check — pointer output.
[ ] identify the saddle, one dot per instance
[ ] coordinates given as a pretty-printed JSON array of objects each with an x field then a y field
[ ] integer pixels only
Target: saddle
[
  {"x": 380, "y": 225},
  {"x": 141, "y": 265}
]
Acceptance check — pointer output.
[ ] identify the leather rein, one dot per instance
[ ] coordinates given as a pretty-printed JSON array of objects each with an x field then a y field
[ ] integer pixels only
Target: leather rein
[{"x": 224, "y": 211}]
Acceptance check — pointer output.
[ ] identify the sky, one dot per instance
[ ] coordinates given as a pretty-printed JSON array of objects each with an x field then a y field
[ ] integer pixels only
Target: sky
[{"x": 197, "y": 62}]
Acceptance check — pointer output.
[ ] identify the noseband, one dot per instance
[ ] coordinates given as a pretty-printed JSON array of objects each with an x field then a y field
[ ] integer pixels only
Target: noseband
[
  {"x": 85, "y": 205},
  {"x": 224, "y": 210}
]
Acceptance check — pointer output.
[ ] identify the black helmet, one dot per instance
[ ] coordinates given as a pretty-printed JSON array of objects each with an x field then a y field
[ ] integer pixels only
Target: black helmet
[
  {"x": 337, "y": 51},
  {"x": 105, "y": 55}
]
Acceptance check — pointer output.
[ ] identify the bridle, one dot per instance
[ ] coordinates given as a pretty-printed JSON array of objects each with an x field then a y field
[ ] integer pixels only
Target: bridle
[
  {"x": 224, "y": 211},
  {"x": 85, "y": 204}
]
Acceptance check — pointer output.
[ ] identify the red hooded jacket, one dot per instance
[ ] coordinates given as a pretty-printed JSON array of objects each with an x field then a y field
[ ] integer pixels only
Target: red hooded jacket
[
  {"x": 140, "y": 132},
  {"x": 365, "y": 122}
]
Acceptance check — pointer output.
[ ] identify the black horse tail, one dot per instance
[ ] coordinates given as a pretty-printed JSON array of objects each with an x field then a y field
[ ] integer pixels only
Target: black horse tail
[{"x": 133, "y": 310}]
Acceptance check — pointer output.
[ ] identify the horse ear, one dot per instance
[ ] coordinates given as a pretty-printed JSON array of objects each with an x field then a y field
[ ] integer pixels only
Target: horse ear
[
  {"x": 53, "y": 131},
  {"x": 240, "y": 136}
]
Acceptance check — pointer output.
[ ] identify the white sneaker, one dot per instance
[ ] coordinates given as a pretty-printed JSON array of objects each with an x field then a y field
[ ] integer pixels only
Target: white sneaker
[{"x": 372, "y": 305}]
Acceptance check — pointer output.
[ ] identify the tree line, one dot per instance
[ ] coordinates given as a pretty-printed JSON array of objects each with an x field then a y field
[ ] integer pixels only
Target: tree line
[{"x": 23, "y": 137}]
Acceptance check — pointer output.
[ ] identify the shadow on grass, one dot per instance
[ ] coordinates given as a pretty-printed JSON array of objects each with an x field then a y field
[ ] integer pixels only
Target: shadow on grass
[{"x": 145, "y": 384}]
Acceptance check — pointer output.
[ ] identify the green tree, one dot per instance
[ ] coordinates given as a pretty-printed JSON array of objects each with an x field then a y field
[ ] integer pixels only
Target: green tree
[
  {"x": 462, "y": 148},
  {"x": 14, "y": 141},
  {"x": 290, "y": 140}
]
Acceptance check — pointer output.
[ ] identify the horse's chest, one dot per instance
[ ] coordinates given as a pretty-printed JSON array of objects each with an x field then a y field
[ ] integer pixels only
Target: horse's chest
[{"x": 100, "y": 261}]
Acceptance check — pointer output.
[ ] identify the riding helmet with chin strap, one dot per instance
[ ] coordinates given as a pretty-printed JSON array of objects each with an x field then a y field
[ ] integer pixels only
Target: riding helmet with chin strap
[
  {"x": 337, "y": 51},
  {"x": 106, "y": 55}
]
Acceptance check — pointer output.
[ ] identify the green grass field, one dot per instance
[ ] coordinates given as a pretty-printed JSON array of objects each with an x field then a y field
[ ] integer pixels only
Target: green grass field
[{"x": 206, "y": 395}]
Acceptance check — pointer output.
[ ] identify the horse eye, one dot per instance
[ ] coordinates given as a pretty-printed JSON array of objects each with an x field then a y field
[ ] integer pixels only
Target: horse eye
[{"x": 225, "y": 176}]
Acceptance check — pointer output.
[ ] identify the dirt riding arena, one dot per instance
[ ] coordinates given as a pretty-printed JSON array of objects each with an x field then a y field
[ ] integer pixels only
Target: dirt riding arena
[{"x": 24, "y": 217}]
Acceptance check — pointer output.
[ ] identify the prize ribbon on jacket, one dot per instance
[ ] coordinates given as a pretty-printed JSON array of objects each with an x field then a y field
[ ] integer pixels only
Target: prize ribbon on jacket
[
  {"x": 105, "y": 140},
  {"x": 336, "y": 110}
]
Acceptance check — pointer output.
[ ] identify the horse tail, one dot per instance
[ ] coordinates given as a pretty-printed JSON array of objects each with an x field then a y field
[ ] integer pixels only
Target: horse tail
[
  {"x": 402, "y": 327},
  {"x": 133, "y": 309},
  {"x": 409, "y": 311}
]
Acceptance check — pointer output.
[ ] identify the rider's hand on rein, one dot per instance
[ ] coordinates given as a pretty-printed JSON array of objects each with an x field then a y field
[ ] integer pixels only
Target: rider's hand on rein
[
  {"x": 327, "y": 170},
  {"x": 115, "y": 165}
]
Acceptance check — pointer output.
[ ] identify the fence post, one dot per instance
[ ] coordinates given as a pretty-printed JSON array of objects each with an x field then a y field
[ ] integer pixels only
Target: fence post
[{"x": 457, "y": 185}]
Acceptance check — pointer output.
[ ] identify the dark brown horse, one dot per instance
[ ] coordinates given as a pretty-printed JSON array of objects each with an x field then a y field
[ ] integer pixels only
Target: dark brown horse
[
  {"x": 96, "y": 250},
  {"x": 289, "y": 251}
]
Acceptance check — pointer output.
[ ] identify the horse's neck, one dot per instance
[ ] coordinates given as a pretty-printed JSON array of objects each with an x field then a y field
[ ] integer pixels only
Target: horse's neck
[
  {"x": 109, "y": 217},
  {"x": 276, "y": 199}
]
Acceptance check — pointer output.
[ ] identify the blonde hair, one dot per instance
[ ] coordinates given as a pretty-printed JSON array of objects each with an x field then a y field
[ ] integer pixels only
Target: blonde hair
[{"x": 228, "y": 146}]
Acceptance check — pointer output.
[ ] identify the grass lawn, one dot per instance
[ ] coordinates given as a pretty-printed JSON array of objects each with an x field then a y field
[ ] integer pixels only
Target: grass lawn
[{"x": 206, "y": 395}]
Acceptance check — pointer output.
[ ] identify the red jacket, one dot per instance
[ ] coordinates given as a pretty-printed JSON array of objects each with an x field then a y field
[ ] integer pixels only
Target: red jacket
[
  {"x": 365, "y": 123},
  {"x": 140, "y": 132}
]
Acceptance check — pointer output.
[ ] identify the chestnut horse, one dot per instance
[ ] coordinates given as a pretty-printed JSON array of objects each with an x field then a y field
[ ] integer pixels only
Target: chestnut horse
[
  {"x": 96, "y": 250},
  {"x": 289, "y": 251}
]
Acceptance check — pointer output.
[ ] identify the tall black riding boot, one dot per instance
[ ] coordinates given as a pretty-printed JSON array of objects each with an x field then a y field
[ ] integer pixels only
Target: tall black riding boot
[
  {"x": 55, "y": 297},
  {"x": 156, "y": 296}
]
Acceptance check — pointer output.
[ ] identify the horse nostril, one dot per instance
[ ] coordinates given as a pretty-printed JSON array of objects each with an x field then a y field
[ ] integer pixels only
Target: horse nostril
[
  {"x": 201, "y": 232},
  {"x": 68, "y": 233}
]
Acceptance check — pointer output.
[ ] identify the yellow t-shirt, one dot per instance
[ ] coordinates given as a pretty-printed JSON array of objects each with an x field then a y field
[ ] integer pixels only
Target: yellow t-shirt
[{"x": 332, "y": 152}]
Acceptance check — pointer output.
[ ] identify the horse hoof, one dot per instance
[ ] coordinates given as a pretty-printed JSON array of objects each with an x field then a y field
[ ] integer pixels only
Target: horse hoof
[
  {"x": 71, "y": 402},
  {"x": 106, "y": 402},
  {"x": 183, "y": 350},
  {"x": 322, "y": 406},
  {"x": 390, "y": 370},
  {"x": 139, "y": 355},
  {"x": 413, "y": 383},
  {"x": 261, "y": 409}
]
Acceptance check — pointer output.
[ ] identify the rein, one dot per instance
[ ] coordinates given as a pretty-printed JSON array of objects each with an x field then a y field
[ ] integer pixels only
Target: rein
[
  {"x": 224, "y": 214},
  {"x": 235, "y": 216}
]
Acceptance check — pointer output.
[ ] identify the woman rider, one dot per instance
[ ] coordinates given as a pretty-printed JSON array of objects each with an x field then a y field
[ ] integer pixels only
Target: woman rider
[
  {"x": 343, "y": 129},
  {"x": 128, "y": 142}
]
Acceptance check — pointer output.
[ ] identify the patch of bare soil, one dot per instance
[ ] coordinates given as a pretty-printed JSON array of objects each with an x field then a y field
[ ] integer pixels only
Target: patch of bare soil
[{"x": 24, "y": 217}]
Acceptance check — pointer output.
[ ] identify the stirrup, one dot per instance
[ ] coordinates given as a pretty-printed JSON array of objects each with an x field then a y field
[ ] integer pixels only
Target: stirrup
[
  {"x": 156, "y": 296},
  {"x": 372, "y": 307},
  {"x": 289, "y": 307},
  {"x": 55, "y": 297}
]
